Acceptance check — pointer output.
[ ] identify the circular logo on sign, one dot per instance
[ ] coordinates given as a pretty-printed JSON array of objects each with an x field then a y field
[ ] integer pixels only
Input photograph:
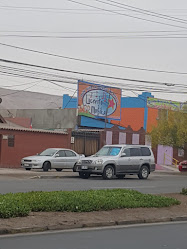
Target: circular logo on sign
[{"x": 99, "y": 102}]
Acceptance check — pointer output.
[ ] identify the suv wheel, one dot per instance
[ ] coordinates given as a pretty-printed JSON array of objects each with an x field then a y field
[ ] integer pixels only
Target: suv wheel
[
  {"x": 144, "y": 172},
  {"x": 108, "y": 172},
  {"x": 84, "y": 175}
]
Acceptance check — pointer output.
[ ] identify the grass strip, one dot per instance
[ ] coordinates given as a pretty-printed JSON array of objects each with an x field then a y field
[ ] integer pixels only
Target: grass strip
[
  {"x": 21, "y": 204},
  {"x": 184, "y": 191}
]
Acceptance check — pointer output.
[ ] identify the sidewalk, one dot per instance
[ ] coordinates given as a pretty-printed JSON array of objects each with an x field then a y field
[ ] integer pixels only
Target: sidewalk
[
  {"x": 167, "y": 168},
  {"x": 5, "y": 171}
]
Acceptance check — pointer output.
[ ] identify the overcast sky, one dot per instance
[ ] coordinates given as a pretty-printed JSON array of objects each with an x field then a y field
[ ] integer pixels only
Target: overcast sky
[{"x": 70, "y": 29}]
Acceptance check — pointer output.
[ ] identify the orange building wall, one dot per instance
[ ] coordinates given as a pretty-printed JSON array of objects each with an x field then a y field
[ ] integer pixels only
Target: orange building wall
[
  {"x": 152, "y": 119},
  {"x": 131, "y": 116}
]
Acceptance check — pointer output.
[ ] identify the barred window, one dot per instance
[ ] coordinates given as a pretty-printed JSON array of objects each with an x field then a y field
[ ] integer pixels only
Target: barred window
[{"x": 11, "y": 139}]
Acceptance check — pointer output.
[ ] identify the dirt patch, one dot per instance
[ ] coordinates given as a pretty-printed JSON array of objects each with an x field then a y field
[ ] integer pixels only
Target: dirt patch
[{"x": 70, "y": 220}]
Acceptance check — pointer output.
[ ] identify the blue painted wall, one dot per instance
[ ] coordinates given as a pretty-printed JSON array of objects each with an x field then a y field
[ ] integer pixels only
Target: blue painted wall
[
  {"x": 69, "y": 102},
  {"x": 94, "y": 123}
]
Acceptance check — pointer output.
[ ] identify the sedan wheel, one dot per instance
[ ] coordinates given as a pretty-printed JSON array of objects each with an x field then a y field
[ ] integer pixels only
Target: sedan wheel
[
  {"x": 75, "y": 168},
  {"x": 46, "y": 166},
  {"x": 58, "y": 169}
]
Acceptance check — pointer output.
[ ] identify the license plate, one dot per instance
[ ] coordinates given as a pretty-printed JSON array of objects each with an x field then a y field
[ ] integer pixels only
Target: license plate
[
  {"x": 26, "y": 164},
  {"x": 184, "y": 167},
  {"x": 84, "y": 167}
]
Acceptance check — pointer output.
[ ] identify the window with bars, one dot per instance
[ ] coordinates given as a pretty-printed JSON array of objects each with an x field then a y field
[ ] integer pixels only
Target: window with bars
[{"x": 11, "y": 140}]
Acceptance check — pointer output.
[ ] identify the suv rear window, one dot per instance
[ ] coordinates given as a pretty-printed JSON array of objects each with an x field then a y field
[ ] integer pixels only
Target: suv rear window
[{"x": 145, "y": 151}]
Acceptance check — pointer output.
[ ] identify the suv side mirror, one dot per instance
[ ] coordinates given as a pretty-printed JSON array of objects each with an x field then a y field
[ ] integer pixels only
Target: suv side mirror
[
  {"x": 57, "y": 155},
  {"x": 123, "y": 154}
]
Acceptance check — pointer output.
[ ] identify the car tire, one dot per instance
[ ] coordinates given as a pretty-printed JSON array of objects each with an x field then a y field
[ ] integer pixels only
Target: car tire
[
  {"x": 84, "y": 175},
  {"x": 46, "y": 166},
  {"x": 120, "y": 176},
  {"x": 58, "y": 169},
  {"x": 75, "y": 168},
  {"x": 28, "y": 168},
  {"x": 143, "y": 173},
  {"x": 108, "y": 172}
]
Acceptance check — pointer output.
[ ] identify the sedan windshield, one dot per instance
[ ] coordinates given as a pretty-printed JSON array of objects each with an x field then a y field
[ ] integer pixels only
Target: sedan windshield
[
  {"x": 108, "y": 151},
  {"x": 48, "y": 152}
]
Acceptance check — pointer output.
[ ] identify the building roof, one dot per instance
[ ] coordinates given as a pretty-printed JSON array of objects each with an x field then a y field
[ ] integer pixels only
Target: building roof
[{"x": 5, "y": 127}]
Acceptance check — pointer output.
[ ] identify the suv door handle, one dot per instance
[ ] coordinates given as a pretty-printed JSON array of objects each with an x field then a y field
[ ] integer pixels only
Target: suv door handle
[{"x": 141, "y": 159}]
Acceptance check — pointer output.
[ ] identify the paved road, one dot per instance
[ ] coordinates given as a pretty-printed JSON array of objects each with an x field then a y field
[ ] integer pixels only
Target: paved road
[
  {"x": 156, "y": 183},
  {"x": 158, "y": 236}
]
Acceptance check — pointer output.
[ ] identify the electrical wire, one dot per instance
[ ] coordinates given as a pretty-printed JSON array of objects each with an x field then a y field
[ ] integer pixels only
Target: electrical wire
[
  {"x": 88, "y": 74},
  {"x": 142, "y": 11},
  {"x": 4, "y": 95},
  {"x": 122, "y": 14},
  {"x": 93, "y": 62},
  {"x": 124, "y": 87},
  {"x": 70, "y": 99},
  {"x": 150, "y": 36}
]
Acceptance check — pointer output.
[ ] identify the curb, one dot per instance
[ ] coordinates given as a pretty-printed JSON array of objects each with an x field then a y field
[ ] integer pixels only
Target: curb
[
  {"x": 6, "y": 231},
  {"x": 164, "y": 172}
]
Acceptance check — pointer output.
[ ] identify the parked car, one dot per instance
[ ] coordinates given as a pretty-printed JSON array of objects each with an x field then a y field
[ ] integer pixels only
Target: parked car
[
  {"x": 183, "y": 166},
  {"x": 52, "y": 158},
  {"x": 118, "y": 160}
]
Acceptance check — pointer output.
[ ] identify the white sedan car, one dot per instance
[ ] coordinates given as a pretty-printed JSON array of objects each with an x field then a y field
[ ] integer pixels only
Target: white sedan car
[{"x": 52, "y": 158}]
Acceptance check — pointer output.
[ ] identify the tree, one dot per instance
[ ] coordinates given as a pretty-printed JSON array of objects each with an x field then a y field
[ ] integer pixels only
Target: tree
[{"x": 171, "y": 129}]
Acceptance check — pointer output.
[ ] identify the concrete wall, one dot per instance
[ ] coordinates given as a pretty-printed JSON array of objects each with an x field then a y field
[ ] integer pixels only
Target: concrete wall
[{"x": 46, "y": 118}]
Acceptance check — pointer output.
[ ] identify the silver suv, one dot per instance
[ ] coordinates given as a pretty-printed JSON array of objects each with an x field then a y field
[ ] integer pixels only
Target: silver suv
[{"x": 118, "y": 160}]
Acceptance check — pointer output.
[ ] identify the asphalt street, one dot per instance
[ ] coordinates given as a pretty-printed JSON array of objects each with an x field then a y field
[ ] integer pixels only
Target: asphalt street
[
  {"x": 156, "y": 183},
  {"x": 154, "y": 236}
]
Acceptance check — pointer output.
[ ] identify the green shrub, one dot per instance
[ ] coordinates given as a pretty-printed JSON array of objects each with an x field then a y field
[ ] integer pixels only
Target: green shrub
[
  {"x": 13, "y": 206},
  {"x": 184, "y": 191},
  {"x": 20, "y": 204}
]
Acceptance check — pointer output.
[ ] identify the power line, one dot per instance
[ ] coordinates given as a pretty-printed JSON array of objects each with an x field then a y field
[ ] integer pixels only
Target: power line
[
  {"x": 70, "y": 99},
  {"x": 91, "y": 32},
  {"x": 150, "y": 36},
  {"x": 118, "y": 13},
  {"x": 115, "y": 84},
  {"x": 4, "y": 95},
  {"x": 128, "y": 7},
  {"x": 142, "y": 11},
  {"x": 93, "y": 62},
  {"x": 120, "y": 85},
  {"x": 88, "y": 74}
]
